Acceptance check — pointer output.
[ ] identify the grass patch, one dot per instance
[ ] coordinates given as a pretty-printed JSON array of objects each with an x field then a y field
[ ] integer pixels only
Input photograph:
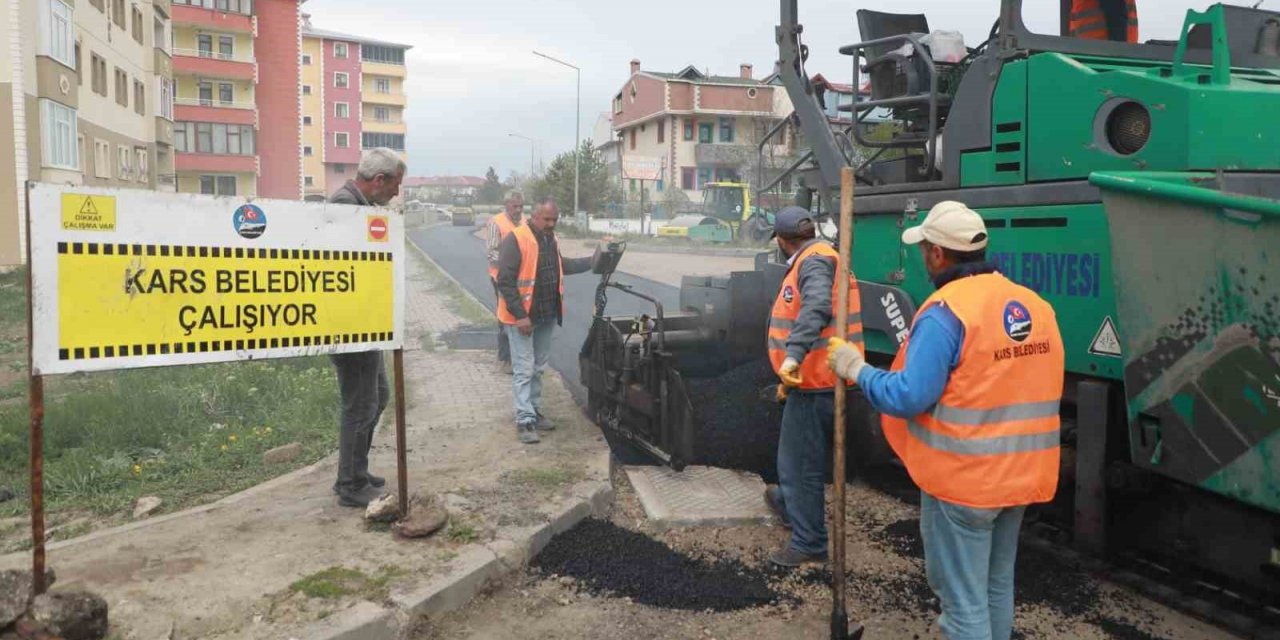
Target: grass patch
[
  {"x": 462, "y": 532},
  {"x": 187, "y": 434},
  {"x": 459, "y": 301},
  {"x": 545, "y": 478},
  {"x": 336, "y": 582}
]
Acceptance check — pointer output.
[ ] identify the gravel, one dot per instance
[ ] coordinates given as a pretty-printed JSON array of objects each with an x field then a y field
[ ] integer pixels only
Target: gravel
[{"x": 605, "y": 559}]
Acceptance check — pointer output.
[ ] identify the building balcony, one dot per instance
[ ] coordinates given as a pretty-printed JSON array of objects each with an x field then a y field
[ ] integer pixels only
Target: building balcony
[
  {"x": 163, "y": 7},
  {"x": 215, "y": 163},
  {"x": 185, "y": 14},
  {"x": 724, "y": 154},
  {"x": 162, "y": 62},
  {"x": 203, "y": 110},
  {"x": 211, "y": 65},
  {"x": 383, "y": 69},
  {"x": 394, "y": 125},
  {"x": 369, "y": 96},
  {"x": 164, "y": 131}
]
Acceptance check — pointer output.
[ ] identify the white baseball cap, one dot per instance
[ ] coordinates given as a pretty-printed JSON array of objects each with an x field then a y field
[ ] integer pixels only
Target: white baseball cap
[{"x": 952, "y": 225}]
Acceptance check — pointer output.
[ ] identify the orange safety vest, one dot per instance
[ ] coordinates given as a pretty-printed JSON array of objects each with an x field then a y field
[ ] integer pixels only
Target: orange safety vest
[
  {"x": 992, "y": 439},
  {"x": 814, "y": 372},
  {"x": 505, "y": 226},
  {"x": 527, "y": 275},
  {"x": 1089, "y": 22}
]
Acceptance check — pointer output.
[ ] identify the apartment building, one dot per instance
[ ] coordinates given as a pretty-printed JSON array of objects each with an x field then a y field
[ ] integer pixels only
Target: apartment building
[
  {"x": 352, "y": 99},
  {"x": 700, "y": 128},
  {"x": 237, "y": 113},
  {"x": 88, "y": 89}
]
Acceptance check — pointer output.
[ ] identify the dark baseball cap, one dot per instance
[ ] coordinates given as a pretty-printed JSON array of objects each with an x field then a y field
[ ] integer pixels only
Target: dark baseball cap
[{"x": 787, "y": 222}]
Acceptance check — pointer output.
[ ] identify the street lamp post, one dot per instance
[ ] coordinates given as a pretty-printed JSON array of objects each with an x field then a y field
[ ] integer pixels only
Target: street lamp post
[
  {"x": 577, "y": 126},
  {"x": 532, "y": 143}
]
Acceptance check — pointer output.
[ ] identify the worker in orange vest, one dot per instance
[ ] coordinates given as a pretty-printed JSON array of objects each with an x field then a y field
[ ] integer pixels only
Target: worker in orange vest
[
  {"x": 530, "y": 306},
  {"x": 802, "y": 319},
  {"x": 1091, "y": 20},
  {"x": 494, "y": 233},
  {"x": 970, "y": 405}
]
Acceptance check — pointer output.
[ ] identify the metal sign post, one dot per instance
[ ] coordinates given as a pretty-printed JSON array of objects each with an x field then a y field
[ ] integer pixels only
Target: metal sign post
[{"x": 402, "y": 469}]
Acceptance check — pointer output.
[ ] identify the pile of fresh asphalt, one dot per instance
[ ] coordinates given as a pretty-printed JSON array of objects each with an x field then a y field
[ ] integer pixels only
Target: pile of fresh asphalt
[
  {"x": 605, "y": 559},
  {"x": 737, "y": 420}
]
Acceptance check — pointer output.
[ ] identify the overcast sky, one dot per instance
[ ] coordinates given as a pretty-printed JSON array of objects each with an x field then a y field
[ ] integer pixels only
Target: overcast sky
[{"x": 473, "y": 79}]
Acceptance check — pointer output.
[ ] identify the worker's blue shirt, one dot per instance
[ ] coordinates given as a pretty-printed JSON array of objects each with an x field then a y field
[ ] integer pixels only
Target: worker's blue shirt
[{"x": 932, "y": 352}]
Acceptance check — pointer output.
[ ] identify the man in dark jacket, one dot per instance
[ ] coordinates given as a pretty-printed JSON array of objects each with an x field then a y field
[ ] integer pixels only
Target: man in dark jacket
[
  {"x": 530, "y": 307},
  {"x": 362, "y": 378}
]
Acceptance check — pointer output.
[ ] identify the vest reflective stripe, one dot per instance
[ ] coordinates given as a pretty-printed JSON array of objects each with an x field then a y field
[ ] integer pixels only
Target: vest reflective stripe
[
  {"x": 1088, "y": 21},
  {"x": 505, "y": 226},
  {"x": 527, "y": 276},
  {"x": 992, "y": 440},
  {"x": 814, "y": 372}
]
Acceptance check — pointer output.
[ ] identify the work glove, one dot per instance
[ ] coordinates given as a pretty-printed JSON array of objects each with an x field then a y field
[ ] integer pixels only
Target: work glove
[
  {"x": 789, "y": 373},
  {"x": 781, "y": 394},
  {"x": 845, "y": 359}
]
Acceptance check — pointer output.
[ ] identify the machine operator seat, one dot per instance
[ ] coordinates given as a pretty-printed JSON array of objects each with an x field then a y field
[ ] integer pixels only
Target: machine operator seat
[{"x": 893, "y": 75}]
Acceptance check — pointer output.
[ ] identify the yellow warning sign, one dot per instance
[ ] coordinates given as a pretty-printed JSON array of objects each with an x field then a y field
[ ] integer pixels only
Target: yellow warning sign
[{"x": 82, "y": 212}]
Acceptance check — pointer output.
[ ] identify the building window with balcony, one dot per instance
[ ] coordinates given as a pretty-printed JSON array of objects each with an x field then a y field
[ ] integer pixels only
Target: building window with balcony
[
  {"x": 726, "y": 129},
  {"x": 204, "y": 90},
  {"x": 340, "y": 50},
  {"x": 306, "y": 60},
  {"x": 58, "y": 136},
  {"x": 341, "y": 110},
  {"x": 382, "y": 85},
  {"x": 706, "y": 132},
  {"x": 139, "y": 98},
  {"x": 218, "y": 185},
  {"x": 226, "y": 47},
  {"x": 370, "y": 140},
  {"x": 158, "y": 39},
  {"x": 341, "y": 80},
  {"x": 385, "y": 55},
  {"x": 688, "y": 129},
  {"x": 57, "y": 37},
  {"x": 308, "y": 151},
  {"x": 686, "y": 178},
  {"x": 226, "y": 93},
  {"x": 306, "y": 89},
  {"x": 166, "y": 97},
  {"x": 342, "y": 140},
  {"x": 382, "y": 114},
  {"x": 122, "y": 87},
  {"x": 204, "y": 45},
  {"x": 206, "y": 137},
  {"x": 137, "y": 25}
]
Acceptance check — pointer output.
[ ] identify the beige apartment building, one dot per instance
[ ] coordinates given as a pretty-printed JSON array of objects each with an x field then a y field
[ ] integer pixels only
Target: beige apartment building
[{"x": 89, "y": 83}]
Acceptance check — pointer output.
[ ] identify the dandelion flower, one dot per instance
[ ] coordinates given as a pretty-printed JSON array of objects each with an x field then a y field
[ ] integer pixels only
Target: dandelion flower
[
  {"x": 224, "y": 447},
  {"x": 137, "y": 469},
  {"x": 233, "y": 437}
]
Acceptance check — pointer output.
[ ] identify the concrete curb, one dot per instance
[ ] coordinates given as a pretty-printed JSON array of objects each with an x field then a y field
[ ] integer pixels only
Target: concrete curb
[{"x": 474, "y": 570}]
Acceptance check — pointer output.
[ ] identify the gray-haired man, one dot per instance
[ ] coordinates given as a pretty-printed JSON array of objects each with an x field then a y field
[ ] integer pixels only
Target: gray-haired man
[{"x": 362, "y": 379}]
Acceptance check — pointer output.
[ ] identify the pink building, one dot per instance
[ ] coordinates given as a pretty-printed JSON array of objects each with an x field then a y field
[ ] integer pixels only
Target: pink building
[
  {"x": 278, "y": 44},
  {"x": 341, "y": 83}
]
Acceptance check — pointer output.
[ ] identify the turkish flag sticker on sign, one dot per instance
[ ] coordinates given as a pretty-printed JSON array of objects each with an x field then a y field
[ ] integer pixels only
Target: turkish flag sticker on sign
[{"x": 378, "y": 228}]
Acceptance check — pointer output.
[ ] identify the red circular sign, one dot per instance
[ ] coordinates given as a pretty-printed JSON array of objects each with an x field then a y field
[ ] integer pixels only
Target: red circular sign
[{"x": 377, "y": 228}]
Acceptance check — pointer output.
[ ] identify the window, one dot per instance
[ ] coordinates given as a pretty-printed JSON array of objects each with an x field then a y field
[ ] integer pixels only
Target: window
[
  {"x": 122, "y": 87},
  {"x": 341, "y": 110},
  {"x": 205, "y": 92},
  {"x": 308, "y": 151},
  {"x": 727, "y": 175},
  {"x": 633, "y": 138},
  {"x": 385, "y": 55},
  {"x": 101, "y": 159},
  {"x": 340, "y": 169},
  {"x": 657, "y": 184},
  {"x": 140, "y": 163},
  {"x": 688, "y": 129},
  {"x": 306, "y": 89},
  {"x": 226, "y": 93},
  {"x": 306, "y": 59},
  {"x": 117, "y": 12},
  {"x": 306, "y": 121},
  {"x": 389, "y": 140},
  {"x": 617, "y": 103},
  {"x": 204, "y": 45},
  {"x": 98, "y": 74},
  {"x": 706, "y": 132},
  {"x": 206, "y": 137},
  {"x": 218, "y": 185},
  {"x": 339, "y": 49},
  {"x": 166, "y": 97},
  {"x": 226, "y": 47},
  {"x": 342, "y": 140},
  {"x": 340, "y": 80},
  {"x": 382, "y": 85},
  {"x": 158, "y": 39},
  {"x": 137, "y": 25},
  {"x": 308, "y": 181},
  {"x": 662, "y": 131},
  {"x": 382, "y": 114},
  {"x": 686, "y": 178},
  {"x": 58, "y": 136},
  {"x": 704, "y": 176},
  {"x": 139, "y": 98},
  {"x": 57, "y": 38},
  {"x": 124, "y": 162},
  {"x": 726, "y": 129}
]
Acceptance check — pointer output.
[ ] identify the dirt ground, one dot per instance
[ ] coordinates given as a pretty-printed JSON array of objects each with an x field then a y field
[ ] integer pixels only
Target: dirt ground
[{"x": 887, "y": 591}]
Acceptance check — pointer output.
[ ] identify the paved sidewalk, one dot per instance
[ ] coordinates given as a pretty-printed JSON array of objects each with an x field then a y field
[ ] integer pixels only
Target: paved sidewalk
[{"x": 224, "y": 570}]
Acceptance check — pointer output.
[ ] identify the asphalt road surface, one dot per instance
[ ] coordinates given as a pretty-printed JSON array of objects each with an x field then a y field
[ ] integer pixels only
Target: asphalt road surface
[{"x": 457, "y": 251}]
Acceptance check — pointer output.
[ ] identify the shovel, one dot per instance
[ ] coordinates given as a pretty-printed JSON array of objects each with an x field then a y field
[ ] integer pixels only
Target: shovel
[{"x": 840, "y": 627}]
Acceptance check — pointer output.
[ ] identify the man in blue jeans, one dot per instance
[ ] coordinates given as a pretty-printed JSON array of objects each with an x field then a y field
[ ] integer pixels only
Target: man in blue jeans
[
  {"x": 530, "y": 306},
  {"x": 970, "y": 405}
]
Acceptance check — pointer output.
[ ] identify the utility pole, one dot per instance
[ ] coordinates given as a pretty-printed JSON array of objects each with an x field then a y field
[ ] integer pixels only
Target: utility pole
[
  {"x": 577, "y": 127},
  {"x": 532, "y": 143}
]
